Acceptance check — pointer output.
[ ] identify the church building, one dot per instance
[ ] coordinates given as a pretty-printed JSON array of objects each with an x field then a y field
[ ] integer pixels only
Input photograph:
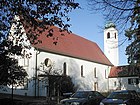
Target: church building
[{"x": 64, "y": 54}]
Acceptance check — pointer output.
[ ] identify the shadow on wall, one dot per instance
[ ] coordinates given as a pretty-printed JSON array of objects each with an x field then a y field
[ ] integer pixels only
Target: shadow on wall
[
  {"x": 103, "y": 82},
  {"x": 72, "y": 70},
  {"x": 86, "y": 82}
]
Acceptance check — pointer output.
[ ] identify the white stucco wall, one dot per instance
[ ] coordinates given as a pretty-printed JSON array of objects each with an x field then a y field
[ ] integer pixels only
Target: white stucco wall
[{"x": 74, "y": 70}]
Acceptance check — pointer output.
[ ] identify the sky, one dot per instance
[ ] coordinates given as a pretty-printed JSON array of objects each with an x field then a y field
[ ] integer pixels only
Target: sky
[{"x": 89, "y": 25}]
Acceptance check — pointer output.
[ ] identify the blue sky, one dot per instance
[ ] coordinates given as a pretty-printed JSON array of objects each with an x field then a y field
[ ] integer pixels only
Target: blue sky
[{"x": 87, "y": 24}]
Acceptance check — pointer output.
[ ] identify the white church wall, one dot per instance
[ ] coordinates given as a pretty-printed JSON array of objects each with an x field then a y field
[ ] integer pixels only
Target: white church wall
[
  {"x": 87, "y": 80},
  {"x": 94, "y": 75}
]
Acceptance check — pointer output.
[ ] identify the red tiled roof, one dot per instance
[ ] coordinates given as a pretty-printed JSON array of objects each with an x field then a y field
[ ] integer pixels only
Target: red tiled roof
[
  {"x": 114, "y": 72},
  {"x": 123, "y": 71},
  {"x": 70, "y": 45}
]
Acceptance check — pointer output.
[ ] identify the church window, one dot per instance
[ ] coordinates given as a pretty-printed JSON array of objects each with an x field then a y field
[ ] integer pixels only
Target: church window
[
  {"x": 108, "y": 35},
  {"x": 82, "y": 74},
  {"x": 105, "y": 74},
  {"x": 64, "y": 69},
  {"x": 95, "y": 73},
  {"x": 115, "y": 83}
]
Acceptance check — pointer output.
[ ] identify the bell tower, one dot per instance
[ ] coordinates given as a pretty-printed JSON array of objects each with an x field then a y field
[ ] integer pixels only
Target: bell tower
[{"x": 111, "y": 43}]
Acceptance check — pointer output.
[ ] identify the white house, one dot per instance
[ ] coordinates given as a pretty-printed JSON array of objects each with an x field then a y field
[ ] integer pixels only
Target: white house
[{"x": 124, "y": 78}]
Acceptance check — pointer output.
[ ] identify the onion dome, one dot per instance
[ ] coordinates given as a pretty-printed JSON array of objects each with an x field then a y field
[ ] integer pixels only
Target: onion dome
[{"x": 109, "y": 25}]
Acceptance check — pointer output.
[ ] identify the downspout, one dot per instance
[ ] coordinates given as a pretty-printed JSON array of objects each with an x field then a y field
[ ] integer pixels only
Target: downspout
[
  {"x": 35, "y": 73},
  {"x": 37, "y": 52}
]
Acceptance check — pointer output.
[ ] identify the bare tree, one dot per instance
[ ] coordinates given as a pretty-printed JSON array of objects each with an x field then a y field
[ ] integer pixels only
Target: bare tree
[{"x": 126, "y": 15}]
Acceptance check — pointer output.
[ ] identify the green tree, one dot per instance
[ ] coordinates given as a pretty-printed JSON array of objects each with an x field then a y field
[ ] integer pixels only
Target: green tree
[
  {"x": 50, "y": 12},
  {"x": 10, "y": 71},
  {"x": 126, "y": 15}
]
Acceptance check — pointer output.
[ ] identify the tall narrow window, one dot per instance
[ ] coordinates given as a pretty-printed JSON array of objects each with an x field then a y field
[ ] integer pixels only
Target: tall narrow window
[
  {"x": 64, "y": 69},
  {"x": 115, "y": 83},
  {"x": 95, "y": 73},
  {"x": 108, "y": 35},
  {"x": 82, "y": 75},
  {"x": 105, "y": 74}
]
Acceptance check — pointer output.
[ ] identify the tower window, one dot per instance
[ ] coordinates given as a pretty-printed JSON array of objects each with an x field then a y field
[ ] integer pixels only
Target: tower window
[
  {"x": 108, "y": 35},
  {"x": 115, "y": 36}
]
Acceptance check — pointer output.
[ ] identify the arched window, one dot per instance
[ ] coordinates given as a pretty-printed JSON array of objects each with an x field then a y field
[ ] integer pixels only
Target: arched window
[
  {"x": 82, "y": 75},
  {"x": 115, "y": 83},
  {"x": 95, "y": 73},
  {"x": 65, "y": 69},
  {"x": 108, "y": 35},
  {"x": 105, "y": 74}
]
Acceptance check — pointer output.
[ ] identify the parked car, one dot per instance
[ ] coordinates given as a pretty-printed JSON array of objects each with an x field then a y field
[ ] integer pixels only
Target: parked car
[
  {"x": 122, "y": 97},
  {"x": 83, "y": 98}
]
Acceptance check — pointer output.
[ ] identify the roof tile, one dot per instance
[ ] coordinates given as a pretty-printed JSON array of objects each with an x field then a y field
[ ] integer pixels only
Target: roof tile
[{"x": 68, "y": 44}]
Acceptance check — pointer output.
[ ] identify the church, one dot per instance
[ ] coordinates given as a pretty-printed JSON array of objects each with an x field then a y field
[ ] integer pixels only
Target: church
[{"x": 66, "y": 54}]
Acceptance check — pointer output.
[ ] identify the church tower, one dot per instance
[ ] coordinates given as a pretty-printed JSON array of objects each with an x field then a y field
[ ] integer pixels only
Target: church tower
[{"x": 111, "y": 43}]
